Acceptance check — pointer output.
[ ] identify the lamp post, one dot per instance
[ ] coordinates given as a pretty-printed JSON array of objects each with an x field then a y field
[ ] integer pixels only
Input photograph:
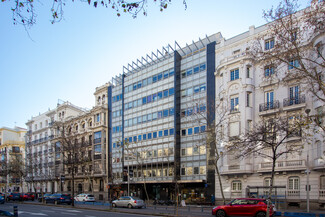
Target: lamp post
[{"x": 307, "y": 111}]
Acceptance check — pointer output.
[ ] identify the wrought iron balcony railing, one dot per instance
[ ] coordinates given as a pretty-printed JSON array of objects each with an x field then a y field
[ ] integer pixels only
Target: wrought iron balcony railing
[{"x": 269, "y": 105}]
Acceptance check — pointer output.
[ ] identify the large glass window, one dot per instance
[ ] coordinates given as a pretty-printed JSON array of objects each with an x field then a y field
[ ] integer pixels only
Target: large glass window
[{"x": 294, "y": 183}]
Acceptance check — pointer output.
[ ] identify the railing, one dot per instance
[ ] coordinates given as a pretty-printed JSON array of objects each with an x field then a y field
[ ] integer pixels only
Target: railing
[
  {"x": 234, "y": 110},
  {"x": 322, "y": 194},
  {"x": 284, "y": 164},
  {"x": 97, "y": 156},
  {"x": 236, "y": 194},
  {"x": 294, "y": 101},
  {"x": 293, "y": 193},
  {"x": 269, "y": 105}
]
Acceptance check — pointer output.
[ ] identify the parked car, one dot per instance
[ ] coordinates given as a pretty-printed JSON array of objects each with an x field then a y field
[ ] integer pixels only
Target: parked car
[
  {"x": 59, "y": 199},
  {"x": 130, "y": 202},
  {"x": 28, "y": 196},
  {"x": 2, "y": 200},
  {"x": 85, "y": 197},
  {"x": 15, "y": 197},
  {"x": 44, "y": 195},
  {"x": 244, "y": 207}
]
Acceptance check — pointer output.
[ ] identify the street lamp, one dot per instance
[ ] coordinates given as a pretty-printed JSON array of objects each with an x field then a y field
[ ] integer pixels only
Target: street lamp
[{"x": 307, "y": 170}]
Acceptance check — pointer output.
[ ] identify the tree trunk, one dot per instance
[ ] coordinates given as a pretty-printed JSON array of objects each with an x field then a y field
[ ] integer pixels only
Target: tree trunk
[
  {"x": 72, "y": 194},
  {"x": 220, "y": 184},
  {"x": 269, "y": 202}
]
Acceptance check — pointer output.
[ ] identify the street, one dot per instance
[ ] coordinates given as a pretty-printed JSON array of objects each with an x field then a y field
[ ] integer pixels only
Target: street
[{"x": 54, "y": 211}]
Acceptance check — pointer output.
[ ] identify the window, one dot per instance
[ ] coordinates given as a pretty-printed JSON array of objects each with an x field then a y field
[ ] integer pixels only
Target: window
[
  {"x": 202, "y": 170},
  {"x": 234, "y": 74},
  {"x": 183, "y": 152},
  {"x": 293, "y": 63},
  {"x": 269, "y": 99},
  {"x": 165, "y": 93},
  {"x": 248, "y": 69},
  {"x": 196, "y": 130},
  {"x": 165, "y": 74},
  {"x": 267, "y": 182},
  {"x": 203, "y": 129},
  {"x": 234, "y": 104},
  {"x": 160, "y": 133},
  {"x": 294, "y": 95},
  {"x": 202, "y": 67},
  {"x": 294, "y": 183},
  {"x": 98, "y": 148},
  {"x": 234, "y": 129},
  {"x": 183, "y": 132},
  {"x": 236, "y": 186},
  {"x": 248, "y": 99},
  {"x": 183, "y": 171},
  {"x": 171, "y": 131},
  {"x": 189, "y": 72},
  {"x": 154, "y": 134},
  {"x": 139, "y": 137},
  {"x": 165, "y": 132},
  {"x": 149, "y": 135},
  {"x": 268, "y": 70},
  {"x": 322, "y": 183},
  {"x": 196, "y": 69},
  {"x": 171, "y": 91},
  {"x": 190, "y": 131},
  {"x": 144, "y": 136},
  {"x": 269, "y": 44}
]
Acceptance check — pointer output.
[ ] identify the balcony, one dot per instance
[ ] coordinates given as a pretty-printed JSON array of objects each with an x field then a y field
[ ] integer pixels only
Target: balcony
[
  {"x": 292, "y": 165},
  {"x": 269, "y": 107},
  {"x": 293, "y": 194},
  {"x": 294, "y": 103},
  {"x": 236, "y": 169},
  {"x": 319, "y": 164}
]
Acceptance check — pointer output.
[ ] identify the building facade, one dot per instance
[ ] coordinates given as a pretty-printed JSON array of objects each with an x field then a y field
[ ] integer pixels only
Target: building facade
[
  {"x": 160, "y": 108},
  {"x": 254, "y": 91},
  {"x": 12, "y": 155},
  {"x": 40, "y": 148}
]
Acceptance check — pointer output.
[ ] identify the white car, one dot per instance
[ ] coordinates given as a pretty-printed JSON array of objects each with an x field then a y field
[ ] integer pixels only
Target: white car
[{"x": 85, "y": 198}]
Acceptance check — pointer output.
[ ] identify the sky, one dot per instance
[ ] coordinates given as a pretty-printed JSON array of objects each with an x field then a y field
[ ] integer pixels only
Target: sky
[{"x": 68, "y": 60}]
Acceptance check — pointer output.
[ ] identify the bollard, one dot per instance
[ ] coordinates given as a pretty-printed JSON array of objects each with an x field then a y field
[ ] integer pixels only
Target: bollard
[
  {"x": 188, "y": 208},
  {"x": 16, "y": 211},
  {"x": 201, "y": 208}
]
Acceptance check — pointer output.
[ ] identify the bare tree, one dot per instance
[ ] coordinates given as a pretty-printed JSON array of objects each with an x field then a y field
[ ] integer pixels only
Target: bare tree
[
  {"x": 295, "y": 44},
  {"x": 24, "y": 11},
  {"x": 72, "y": 150},
  {"x": 269, "y": 139},
  {"x": 212, "y": 137},
  {"x": 16, "y": 168}
]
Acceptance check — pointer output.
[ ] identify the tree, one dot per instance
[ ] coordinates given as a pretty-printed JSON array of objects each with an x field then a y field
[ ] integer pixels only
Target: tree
[
  {"x": 24, "y": 11},
  {"x": 213, "y": 135},
  {"x": 270, "y": 139},
  {"x": 70, "y": 148},
  {"x": 16, "y": 168},
  {"x": 296, "y": 42}
]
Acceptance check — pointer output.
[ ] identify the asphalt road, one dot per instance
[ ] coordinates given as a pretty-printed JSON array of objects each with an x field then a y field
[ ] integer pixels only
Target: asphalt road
[{"x": 61, "y": 211}]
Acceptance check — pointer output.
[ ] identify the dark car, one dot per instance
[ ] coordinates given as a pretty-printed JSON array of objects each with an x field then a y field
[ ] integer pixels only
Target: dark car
[
  {"x": 28, "y": 196},
  {"x": 15, "y": 197},
  {"x": 2, "y": 200},
  {"x": 59, "y": 199},
  {"x": 40, "y": 198},
  {"x": 243, "y": 207}
]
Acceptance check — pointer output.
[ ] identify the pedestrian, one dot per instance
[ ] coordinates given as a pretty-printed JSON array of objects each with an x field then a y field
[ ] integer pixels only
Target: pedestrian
[{"x": 212, "y": 200}]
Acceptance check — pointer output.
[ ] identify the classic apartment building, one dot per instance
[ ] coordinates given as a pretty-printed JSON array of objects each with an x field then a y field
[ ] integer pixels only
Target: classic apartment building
[
  {"x": 12, "y": 155},
  {"x": 50, "y": 159},
  {"x": 254, "y": 91},
  {"x": 40, "y": 149}
]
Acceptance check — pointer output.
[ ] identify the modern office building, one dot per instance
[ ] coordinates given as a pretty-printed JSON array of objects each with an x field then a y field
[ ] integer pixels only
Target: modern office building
[
  {"x": 12, "y": 156},
  {"x": 160, "y": 108}
]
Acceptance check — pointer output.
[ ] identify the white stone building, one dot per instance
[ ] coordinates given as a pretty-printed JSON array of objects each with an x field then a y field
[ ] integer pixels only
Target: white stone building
[{"x": 254, "y": 90}]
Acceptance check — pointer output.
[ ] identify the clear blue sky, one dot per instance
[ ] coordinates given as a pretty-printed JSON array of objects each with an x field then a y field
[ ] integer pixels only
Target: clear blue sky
[{"x": 68, "y": 60}]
